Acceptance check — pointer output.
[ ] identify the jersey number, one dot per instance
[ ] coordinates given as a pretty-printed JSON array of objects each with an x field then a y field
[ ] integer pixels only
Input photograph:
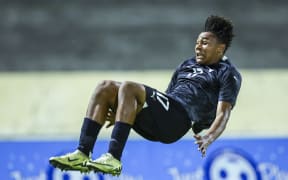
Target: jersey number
[
  {"x": 196, "y": 71},
  {"x": 163, "y": 100}
]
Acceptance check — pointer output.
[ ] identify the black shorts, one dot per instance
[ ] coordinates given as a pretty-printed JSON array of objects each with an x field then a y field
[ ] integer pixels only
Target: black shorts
[{"x": 162, "y": 118}]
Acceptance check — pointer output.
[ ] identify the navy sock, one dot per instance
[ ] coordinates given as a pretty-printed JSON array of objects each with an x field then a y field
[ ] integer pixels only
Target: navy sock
[
  {"x": 118, "y": 140},
  {"x": 89, "y": 132}
]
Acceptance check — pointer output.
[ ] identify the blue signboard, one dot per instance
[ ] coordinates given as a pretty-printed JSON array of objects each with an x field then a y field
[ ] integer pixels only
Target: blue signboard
[{"x": 243, "y": 159}]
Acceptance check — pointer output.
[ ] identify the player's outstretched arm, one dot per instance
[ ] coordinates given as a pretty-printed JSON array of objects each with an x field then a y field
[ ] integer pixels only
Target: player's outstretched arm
[{"x": 216, "y": 129}]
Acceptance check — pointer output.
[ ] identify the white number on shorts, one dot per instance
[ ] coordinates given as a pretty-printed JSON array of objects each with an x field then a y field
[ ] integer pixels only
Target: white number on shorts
[{"x": 163, "y": 100}]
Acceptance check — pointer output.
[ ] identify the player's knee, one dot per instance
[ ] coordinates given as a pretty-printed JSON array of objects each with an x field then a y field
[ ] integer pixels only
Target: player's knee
[
  {"x": 106, "y": 87},
  {"x": 106, "y": 84},
  {"x": 129, "y": 87},
  {"x": 132, "y": 88}
]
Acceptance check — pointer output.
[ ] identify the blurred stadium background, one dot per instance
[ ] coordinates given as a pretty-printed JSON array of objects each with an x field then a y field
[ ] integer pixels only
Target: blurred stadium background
[{"x": 53, "y": 54}]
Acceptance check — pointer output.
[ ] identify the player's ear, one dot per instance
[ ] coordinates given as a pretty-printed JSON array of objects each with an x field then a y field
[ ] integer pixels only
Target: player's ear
[{"x": 221, "y": 49}]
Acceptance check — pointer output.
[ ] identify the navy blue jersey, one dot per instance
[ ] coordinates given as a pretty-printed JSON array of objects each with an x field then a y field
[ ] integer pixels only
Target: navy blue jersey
[{"x": 199, "y": 88}]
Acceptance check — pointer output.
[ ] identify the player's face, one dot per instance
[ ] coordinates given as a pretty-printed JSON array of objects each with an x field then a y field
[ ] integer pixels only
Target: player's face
[{"x": 208, "y": 50}]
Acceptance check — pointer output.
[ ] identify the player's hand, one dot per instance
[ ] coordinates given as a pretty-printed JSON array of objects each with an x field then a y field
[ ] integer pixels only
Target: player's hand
[
  {"x": 110, "y": 117},
  {"x": 203, "y": 142}
]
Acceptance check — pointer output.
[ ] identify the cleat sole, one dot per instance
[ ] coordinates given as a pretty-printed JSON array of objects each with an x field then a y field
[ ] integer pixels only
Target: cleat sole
[{"x": 64, "y": 167}]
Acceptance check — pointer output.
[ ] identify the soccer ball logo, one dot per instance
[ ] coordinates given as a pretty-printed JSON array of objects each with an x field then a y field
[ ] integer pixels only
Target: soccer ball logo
[{"x": 231, "y": 164}]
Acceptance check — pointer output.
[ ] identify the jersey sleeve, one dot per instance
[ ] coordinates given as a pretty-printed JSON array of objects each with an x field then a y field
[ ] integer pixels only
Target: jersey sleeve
[{"x": 230, "y": 84}]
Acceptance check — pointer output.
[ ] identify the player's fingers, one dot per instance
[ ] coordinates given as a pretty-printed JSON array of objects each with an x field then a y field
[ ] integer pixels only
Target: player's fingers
[
  {"x": 198, "y": 143},
  {"x": 203, "y": 153},
  {"x": 111, "y": 113},
  {"x": 204, "y": 149},
  {"x": 198, "y": 139},
  {"x": 197, "y": 136},
  {"x": 199, "y": 147}
]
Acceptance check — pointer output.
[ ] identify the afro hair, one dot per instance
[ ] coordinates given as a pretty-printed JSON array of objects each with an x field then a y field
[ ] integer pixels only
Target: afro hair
[{"x": 221, "y": 27}]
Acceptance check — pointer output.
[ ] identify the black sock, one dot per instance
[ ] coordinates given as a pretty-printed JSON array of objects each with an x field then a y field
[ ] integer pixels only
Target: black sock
[
  {"x": 118, "y": 140},
  {"x": 89, "y": 133}
]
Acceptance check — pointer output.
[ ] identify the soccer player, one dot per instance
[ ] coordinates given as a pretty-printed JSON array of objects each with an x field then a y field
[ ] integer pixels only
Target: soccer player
[{"x": 201, "y": 95}]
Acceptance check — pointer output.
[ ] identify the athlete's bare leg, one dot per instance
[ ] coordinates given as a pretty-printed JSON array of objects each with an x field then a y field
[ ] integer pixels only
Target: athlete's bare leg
[
  {"x": 128, "y": 98},
  {"x": 131, "y": 97},
  {"x": 103, "y": 98}
]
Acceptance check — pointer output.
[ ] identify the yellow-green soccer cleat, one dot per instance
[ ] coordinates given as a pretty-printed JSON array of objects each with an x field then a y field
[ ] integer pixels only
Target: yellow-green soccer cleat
[
  {"x": 106, "y": 164},
  {"x": 71, "y": 162}
]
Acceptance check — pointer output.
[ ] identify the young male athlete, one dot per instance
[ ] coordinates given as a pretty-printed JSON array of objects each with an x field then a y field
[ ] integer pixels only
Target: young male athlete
[{"x": 201, "y": 95}]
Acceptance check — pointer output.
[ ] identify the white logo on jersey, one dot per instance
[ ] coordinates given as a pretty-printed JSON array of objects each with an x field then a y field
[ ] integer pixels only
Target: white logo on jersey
[{"x": 210, "y": 70}]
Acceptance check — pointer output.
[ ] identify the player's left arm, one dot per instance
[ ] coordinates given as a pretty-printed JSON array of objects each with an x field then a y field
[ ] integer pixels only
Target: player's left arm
[
  {"x": 216, "y": 129},
  {"x": 230, "y": 83}
]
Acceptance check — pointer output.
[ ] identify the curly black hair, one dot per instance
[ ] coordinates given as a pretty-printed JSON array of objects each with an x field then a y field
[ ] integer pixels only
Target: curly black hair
[{"x": 221, "y": 27}]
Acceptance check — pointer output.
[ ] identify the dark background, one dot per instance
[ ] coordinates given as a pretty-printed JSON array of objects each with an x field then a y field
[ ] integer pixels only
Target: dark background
[{"x": 134, "y": 34}]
